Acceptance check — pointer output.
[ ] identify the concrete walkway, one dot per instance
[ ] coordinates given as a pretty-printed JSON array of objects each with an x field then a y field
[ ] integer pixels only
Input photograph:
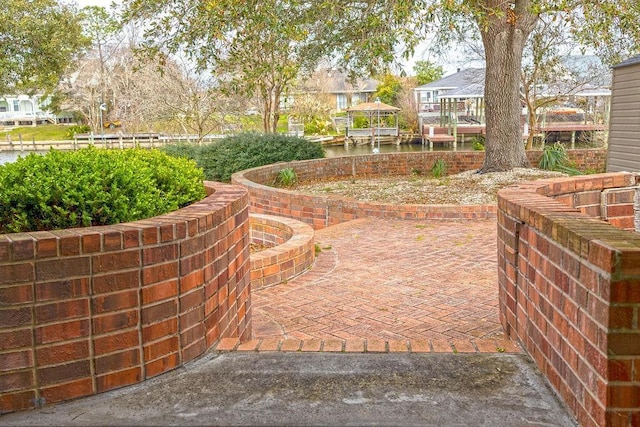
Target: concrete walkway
[
  {"x": 310, "y": 389},
  {"x": 396, "y": 324}
]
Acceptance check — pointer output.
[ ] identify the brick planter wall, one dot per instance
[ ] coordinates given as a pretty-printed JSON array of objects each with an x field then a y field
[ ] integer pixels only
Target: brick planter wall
[
  {"x": 569, "y": 289},
  {"x": 88, "y": 310},
  {"x": 292, "y": 249},
  {"x": 322, "y": 211}
]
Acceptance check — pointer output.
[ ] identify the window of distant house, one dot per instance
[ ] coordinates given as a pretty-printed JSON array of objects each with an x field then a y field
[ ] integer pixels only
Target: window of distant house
[
  {"x": 3, "y": 108},
  {"x": 16, "y": 105},
  {"x": 425, "y": 97},
  {"x": 342, "y": 101},
  {"x": 355, "y": 99}
]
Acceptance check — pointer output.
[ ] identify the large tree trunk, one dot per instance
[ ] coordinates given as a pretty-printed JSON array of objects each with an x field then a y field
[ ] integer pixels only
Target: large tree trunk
[{"x": 504, "y": 36}]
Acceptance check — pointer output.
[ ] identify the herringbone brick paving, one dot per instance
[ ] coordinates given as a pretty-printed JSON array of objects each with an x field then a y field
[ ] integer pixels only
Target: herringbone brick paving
[{"x": 389, "y": 281}]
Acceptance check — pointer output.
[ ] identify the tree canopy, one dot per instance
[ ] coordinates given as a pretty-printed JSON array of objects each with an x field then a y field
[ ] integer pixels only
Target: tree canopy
[
  {"x": 38, "y": 41},
  {"x": 427, "y": 72},
  {"x": 259, "y": 46}
]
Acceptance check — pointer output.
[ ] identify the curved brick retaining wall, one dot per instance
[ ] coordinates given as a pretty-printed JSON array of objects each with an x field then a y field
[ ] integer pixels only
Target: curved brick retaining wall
[
  {"x": 569, "y": 289},
  {"x": 323, "y": 211},
  {"x": 290, "y": 250},
  {"x": 88, "y": 310}
]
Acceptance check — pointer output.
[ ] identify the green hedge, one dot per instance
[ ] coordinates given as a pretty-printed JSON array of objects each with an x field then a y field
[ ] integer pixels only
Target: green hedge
[
  {"x": 94, "y": 187},
  {"x": 223, "y": 158}
]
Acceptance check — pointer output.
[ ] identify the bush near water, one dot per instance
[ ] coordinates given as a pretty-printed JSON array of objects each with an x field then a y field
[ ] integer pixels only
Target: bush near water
[
  {"x": 94, "y": 187},
  {"x": 223, "y": 158}
]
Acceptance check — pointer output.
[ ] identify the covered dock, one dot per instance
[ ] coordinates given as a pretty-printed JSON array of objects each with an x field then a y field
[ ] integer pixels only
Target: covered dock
[{"x": 371, "y": 122}]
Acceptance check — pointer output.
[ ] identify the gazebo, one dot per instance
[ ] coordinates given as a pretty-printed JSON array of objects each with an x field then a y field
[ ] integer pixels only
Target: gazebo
[{"x": 378, "y": 116}]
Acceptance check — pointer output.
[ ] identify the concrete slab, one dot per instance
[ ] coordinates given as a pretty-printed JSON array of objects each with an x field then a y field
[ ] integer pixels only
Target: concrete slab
[{"x": 332, "y": 389}]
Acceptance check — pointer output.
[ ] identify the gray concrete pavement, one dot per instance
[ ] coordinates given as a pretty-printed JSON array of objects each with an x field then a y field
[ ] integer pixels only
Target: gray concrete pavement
[{"x": 332, "y": 389}]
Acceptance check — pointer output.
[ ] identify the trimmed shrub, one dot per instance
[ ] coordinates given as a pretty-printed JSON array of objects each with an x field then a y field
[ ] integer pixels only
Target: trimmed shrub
[
  {"x": 94, "y": 187},
  {"x": 223, "y": 158}
]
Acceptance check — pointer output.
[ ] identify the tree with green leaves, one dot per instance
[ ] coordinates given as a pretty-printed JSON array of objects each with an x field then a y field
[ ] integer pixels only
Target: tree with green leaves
[
  {"x": 256, "y": 48},
  {"x": 611, "y": 27},
  {"x": 262, "y": 45},
  {"x": 39, "y": 39},
  {"x": 388, "y": 89},
  {"x": 427, "y": 72}
]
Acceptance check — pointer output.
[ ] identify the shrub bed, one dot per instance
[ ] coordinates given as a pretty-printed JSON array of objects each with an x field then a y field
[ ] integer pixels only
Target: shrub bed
[
  {"x": 94, "y": 187},
  {"x": 221, "y": 159}
]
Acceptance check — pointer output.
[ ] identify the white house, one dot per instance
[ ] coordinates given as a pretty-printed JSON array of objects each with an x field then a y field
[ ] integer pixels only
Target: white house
[{"x": 18, "y": 110}]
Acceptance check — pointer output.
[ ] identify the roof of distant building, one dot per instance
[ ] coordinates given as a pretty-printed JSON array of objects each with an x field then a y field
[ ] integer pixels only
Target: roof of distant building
[
  {"x": 631, "y": 61},
  {"x": 457, "y": 80}
]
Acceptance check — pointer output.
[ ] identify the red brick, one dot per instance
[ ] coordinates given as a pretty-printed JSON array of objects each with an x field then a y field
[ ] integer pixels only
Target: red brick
[
  {"x": 112, "y": 240},
  {"x": 22, "y": 247},
  {"x": 62, "y": 268},
  {"x": 194, "y": 349},
  {"x": 46, "y": 246},
  {"x": 159, "y": 273},
  {"x": 160, "y": 254},
  {"x": 18, "y": 401},
  {"x": 118, "y": 379},
  {"x": 62, "y": 353},
  {"x": 441, "y": 346},
  {"x": 15, "y": 338},
  {"x": 69, "y": 242},
  {"x": 192, "y": 246},
  {"x": 72, "y": 390},
  {"x": 463, "y": 346},
  {"x": 398, "y": 346},
  {"x": 62, "y": 331},
  {"x": 155, "y": 313},
  {"x": 159, "y": 291},
  {"x": 188, "y": 336},
  {"x": 16, "y": 360},
  {"x": 115, "y": 321},
  {"x": 420, "y": 346},
  {"x": 16, "y": 381},
  {"x": 192, "y": 300},
  {"x": 63, "y": 373},
  {"x": 376, "y": 346},
  {"x": 117, "y": 361},
  {"x": 624, "y": 396},
  {"x": 227, "y": 344},
  {"x": 115, "y": 302},
  {"x": 620, "y": 370},
  {"x": 19, "y": 294},
  {"x": 116, "y": 282},
  {"x": 112, "y": 343},
  {"x": 64, "y": 310},
  {"x": 91, "y": 242},
  {"x": 270, "y": 344},
  {"x": 161, "y": 365},
  {"x": 160, "y": 348},
  {"x": 623, "y": 344},
  {"x": 290, "y": 344},
  {"x": 252, "y": 345},
  {"x": 191, "y": 281},
  {"x": 63, "y": 289},
  {"x": 630, "y": 262},
  {"x": 11, "y": 318},
  {"x": 116, "y": 261},
  {"x": 191, "y": 318},
  {"x": 16, "y": 273},
  {"x": 160, "y": 330}
]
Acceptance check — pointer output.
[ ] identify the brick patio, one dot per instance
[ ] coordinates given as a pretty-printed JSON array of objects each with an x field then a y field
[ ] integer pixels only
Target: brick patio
[{"x": 387, "y": 285}]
